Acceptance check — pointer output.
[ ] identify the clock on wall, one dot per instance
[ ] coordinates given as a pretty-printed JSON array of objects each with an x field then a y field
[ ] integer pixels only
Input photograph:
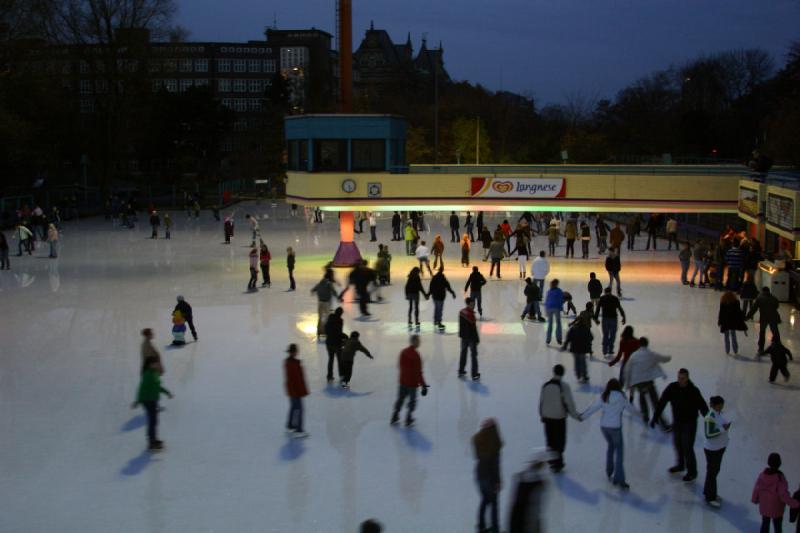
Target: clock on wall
[{"x": 348, "y": 185}]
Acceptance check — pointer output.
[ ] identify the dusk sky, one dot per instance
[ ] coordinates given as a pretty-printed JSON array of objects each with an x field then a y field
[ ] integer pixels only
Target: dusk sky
[{"x": 545, "y": 48}]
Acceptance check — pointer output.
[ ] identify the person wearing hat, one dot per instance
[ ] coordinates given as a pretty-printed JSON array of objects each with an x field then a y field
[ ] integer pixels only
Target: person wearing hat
[
  {"x": 487, "y": 444},
  {"x": 295, "y": 389},
  {"x": 186, "y": 311}
]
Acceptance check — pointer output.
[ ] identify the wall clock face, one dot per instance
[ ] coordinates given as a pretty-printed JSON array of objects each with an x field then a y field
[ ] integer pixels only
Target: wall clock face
[{"x": 348, "y": 185}]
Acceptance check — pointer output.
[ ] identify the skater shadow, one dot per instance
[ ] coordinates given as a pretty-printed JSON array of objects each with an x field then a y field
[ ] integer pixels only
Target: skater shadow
[
  {"x": 254, "y": 291},
  {"x": 785, "y": 386},
  {"x": 738, "y": 516},
  {"x": 292, "y": 450},
  {"x": 417, "y": 441},
  {"x": 592, "y": 389},
  {"x": 627, "y": 299},
  {"x": 478, "y": 388},
  {"x": 175, "y": 346},
  {"x": 635, "y": 501},
  {"x": 745, "y": 359},
  {"x": 332, "y": 391},
  {"x": 367, "y": 319},
  {"x": 136, "y": 422},
  {"x": 575, "y": 490},
  {"x": 137, "y": 464}
]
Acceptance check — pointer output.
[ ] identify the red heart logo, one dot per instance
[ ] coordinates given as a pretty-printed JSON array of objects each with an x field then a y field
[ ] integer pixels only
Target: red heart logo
[{"x": 502, "y": 186}]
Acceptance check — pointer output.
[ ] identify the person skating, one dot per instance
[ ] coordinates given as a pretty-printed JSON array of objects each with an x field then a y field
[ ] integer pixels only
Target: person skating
[
  {"x": 325, "y": 290},
  {"x": 595, "y": 289},
  {"x": 672, "y": 232},
  {"x": 149, "y": 352},
  {"x": 748, "y": 293},
  {"x": 334, "y": 338},
  {"x": 771, "y": 493},
  {"x": 423, "y": 256},
  {"x": 361, "y": 277},
  {"x": 396, "y": 226},
  {"x": 264, "y": 257},
  {"x": 479, "y": 223},
  {"x": 465, "y": 247},
  {"x": 734, "y": 258},
  {"x": 553, "y": 303},
  {"x": 253, "y": 258},
  {"x": 613, "y": 266},
  {"x": 496, "y": 252},
  {"x": 228, "y": 228},
  {"x": 468, "y": 225},
  {"x": 474, "y": 286},
  {"x": 522, "y": 256},
  {"x": 586, "y": 239},
  {"x": 684, "y": 258},
  {"x": 168, "y": 226},
  {"x": 579, "y": 343},
  {"x": 487, "y": 444},
  {"x": 410, "y": 235},
  {"x": 780, "y": 356},
  {"x": 616, "y": 237},
  {"x": 215, "y": 211},
  {"x": 570, "y": 305},
  {"x": 5, "y": 263},
  {"x": 730, "y": 319},
  {"x": 413, "y": 289},
  {"x": 437, "y": 249},
  {"x": 686, "y": 402},
  {"x": 555, "y": 403},
  {"x": 468, "y": 333},
  {"x": 348, "y": 354},
  {"x": 186, "y": 311},
  {"x": 652, "y": 230},
  {"x": 290, "y": 261},
  {"x": 540, "y": 268},
  {"x": 532, "y": 298},
  {"x": 52, "y": 240},
  {"x": 607, "y": 307},
  {"x": 410, "y": 378},
  {"x": 601, "y": 230},
  {"x": 486, "y": 242},
  {"x": 155, "y": 222},
  {"x": 699, "y": 255},
  {"x": 768, "y": 308},
  {"x": 612, "y": 403},
  {"x": 633, "y": 226},
  {"x": 25, "y": 238},
  {"x": 716, "y": 426},
  {"x": 571, "y": 233},
  {"x": 373, "y": 226},
  {"x": 628, "y": 343},
  {"x": 150, "y": 390},
  {"x": 296, "y": 390},
  {"x": 438, "y": 288},
  {"x": 253, "y": 227},
  {"x": 454, "y": 227},
  {"x": 383, "y": 265},
  {"x": 639, "y": 375}
]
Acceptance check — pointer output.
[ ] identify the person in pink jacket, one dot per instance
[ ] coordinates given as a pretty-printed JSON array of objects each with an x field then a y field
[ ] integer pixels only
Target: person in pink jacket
[{"x": 771, "y": 493}]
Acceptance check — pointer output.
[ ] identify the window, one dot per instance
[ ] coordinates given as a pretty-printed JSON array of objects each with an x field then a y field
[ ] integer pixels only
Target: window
[
  {"x": 241, "y": 105},
  {"x": 157, "y": 84},
  {"x": 169, "y": 65},
  {"x": 186, "y": 84},
  {"x": 255, "y": 86},
  {"x": 239, "y": 65},
  {"x": 185, "y": 65},
  {"x": 154, "y": 66},
  {"x": 369, "y": 155},
  {"x": 294, "y": 57},
  {"x": 227, "y": 102},
  {"x": 254, "y": 65},
  {"x": 171, "y": 85},
  {"x": 239, "y": 86},
  {"x": 66, "y": 68},
  {"x": 86, "y": 87},
  {"x": 201, "y": 65},
  {"x": 223, "y": 65},
  {"x": 87, "y": 105},
  {"x": 227, "y": 146},
  {"x": 100, "y": 86},
  {"x": 254, "y": 104},
  {"x": 133, "y": 65},
  {"x": 240, "y": 125},
  {"x": 330, "y": 155},
  {"x": 224, "y": 86},
  {"x": 269, "y": 65},
  {"x": 201, "y": 83},
  {"x": 84, "y": 67}
]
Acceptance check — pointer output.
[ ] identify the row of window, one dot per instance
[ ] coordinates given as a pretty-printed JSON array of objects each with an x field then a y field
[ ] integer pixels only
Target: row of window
[
  {"x": 242, "y": 105},
  {"x": 243, "y": 86},
  {"x": 178, "y": 85},
  {"x": 246, "y": 65}
]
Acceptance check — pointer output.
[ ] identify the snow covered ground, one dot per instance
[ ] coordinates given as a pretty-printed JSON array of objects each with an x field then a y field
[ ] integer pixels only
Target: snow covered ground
[{"x": 72, "y": 452}]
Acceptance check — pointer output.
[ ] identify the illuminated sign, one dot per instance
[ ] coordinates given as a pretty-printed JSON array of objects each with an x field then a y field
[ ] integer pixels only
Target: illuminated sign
[
  {"x": 748, "y": 201},
  {"x": 780, "y": 211},
  {"x": 493, "y": 187}
]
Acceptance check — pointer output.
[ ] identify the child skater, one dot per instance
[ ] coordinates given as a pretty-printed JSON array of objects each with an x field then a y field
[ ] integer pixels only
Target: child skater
[
  {"x": 351, "y": 346},
  {"x": 465, "y": 246},
  {"x": 569, "y": 304},
  {"x": 780, "y": 355},
  {"x": 771, "y": 493}
]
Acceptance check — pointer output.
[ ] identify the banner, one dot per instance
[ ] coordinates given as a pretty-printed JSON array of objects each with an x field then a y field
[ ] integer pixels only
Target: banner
[{"x": 493, "y": 187}]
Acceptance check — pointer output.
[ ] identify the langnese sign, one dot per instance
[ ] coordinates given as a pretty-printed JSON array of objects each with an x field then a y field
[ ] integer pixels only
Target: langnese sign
[{"x": 493, "y": 187}]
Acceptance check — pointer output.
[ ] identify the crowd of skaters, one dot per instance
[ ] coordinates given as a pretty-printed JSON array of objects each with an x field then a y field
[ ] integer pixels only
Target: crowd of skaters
[{"x": 640, "y": 367}]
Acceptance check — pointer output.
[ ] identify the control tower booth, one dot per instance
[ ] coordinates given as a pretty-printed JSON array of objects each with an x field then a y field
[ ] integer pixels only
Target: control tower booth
[{"x": 340, "y": 145}]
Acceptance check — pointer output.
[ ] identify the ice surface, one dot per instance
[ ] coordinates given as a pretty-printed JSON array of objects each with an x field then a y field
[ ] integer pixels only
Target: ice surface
[{"x": 72, "y": 456}]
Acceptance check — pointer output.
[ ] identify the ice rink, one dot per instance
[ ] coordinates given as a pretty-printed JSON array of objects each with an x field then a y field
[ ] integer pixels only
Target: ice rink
[{"x": 73, "y": 454}]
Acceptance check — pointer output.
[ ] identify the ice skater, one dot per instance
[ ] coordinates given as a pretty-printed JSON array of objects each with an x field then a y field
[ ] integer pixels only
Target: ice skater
[
  {"x": 423, "y": 256},
  {"x": 716, "y": 426},
  {"x": 533, "y": 296},
  {"x": 52, "y": 240},
  {"x": 555, "y": 403},
  {"x": 579, "y": 343},
  {"x": 767, "y": 307},
  {"x": 149, "y": 351},
  {"x": 150, "y": 390},
  {"x": 487, "y": 444},
  {"x": 155, "y": 222},
  {"x": 465, "y": 247},
  {"x": 475, "y": 283},
  {"x": 412, "y": 290},
  {"x": 437, "y": 249},
  {"x": 607, "y": 308},
  {"x": 228, "y": 228},
  {"x": 167, "y": 226},
  {"x": 186, "y": 310},
  {"x": 569, "y": 304},
  {"x": 468, "y": 333},
  {"x": 5, "y": 263},
  {"x": 411, "y": 378},
  {"x": 253, "y": 258},
  {"x": 264, "y": 257},
  {"x": 325, "y": 290},
  {"x": 780, "y": 356},
  {"x": 438, "y": 288},
  {"x": 595, "y": 289},
  {"x": 771, "y": 493},
  {"x": 296, "y": 390},
  {"x": 553, "y": 303},
  {"x": 290, "y": 261},
  {"x": 347, "y": 356},
  {"x": 334, "y": 338},
  {"x": 640, "y": 373}
]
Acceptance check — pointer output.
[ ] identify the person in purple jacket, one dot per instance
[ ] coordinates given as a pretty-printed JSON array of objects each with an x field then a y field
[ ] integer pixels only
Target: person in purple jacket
[{"x": 553, "y": 303}]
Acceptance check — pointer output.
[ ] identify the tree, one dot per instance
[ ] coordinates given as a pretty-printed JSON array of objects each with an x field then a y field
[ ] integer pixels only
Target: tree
[{"x": 465, "y": 139}]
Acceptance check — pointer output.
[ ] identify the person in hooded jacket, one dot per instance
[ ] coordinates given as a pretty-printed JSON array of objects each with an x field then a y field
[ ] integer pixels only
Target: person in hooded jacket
[
  {"x": 487, "y": 444},
  {"x": 771, "y": 493},
  {"x": 413, "y": 289},
  {"x": 730, "y": 319}
]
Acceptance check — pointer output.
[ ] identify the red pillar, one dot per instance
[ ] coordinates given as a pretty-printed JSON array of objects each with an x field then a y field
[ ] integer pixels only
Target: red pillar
[{"x": 347, "y": 254}]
